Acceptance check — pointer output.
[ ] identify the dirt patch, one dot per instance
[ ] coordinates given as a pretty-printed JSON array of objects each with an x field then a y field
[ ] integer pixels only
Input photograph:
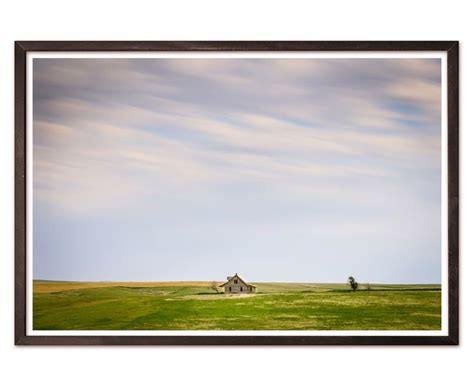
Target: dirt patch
[{"x": 217, "y": 297}]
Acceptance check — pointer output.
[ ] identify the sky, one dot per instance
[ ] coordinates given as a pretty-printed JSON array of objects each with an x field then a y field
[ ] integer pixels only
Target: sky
[{"x": 300, "y": 170}]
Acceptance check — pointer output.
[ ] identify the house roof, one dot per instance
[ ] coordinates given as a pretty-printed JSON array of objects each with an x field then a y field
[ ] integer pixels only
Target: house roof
[{"x": 243, "y": 281}]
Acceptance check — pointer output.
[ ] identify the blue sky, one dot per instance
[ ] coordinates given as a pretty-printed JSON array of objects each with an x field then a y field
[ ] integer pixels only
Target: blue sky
[{"x": 305, "y": 170}]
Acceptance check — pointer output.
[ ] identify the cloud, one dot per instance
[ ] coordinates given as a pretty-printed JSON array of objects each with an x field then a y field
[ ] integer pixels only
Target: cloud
[{"x": 122, "y": 127}]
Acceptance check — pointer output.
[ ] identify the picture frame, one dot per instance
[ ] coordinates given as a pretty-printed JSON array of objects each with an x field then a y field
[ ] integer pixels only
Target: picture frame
[{"x": 22, "y": 162}]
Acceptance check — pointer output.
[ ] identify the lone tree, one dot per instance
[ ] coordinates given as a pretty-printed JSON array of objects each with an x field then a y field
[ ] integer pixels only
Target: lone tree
[
  {"x": 214, "y": 286},
  {"x": 352, "y": 282}
]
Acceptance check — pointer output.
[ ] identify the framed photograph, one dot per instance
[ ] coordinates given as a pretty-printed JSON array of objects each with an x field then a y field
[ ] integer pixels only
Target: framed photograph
[{"x": 236, "y": 193}]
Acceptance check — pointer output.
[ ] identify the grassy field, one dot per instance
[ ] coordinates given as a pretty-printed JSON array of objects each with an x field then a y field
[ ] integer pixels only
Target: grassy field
[{"x": 194, "y": 306}]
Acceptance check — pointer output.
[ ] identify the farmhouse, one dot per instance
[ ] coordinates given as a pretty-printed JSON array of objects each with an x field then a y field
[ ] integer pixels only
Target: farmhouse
[{"x": 235, "y": 284}]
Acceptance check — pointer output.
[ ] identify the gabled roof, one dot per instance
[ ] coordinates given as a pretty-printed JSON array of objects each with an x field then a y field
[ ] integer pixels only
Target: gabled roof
[{"x": 243, "y": 281}]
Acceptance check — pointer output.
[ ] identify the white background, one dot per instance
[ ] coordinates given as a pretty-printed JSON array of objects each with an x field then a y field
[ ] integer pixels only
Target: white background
[{"x": 238, "y": 20}]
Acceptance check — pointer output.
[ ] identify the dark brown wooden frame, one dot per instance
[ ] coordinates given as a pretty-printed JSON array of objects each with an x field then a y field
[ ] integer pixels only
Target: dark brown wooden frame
[{"x": 23, "y": 47}]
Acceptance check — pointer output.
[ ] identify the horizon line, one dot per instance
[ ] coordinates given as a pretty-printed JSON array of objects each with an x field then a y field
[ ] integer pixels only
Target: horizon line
[{"x": 211, "y": 280}]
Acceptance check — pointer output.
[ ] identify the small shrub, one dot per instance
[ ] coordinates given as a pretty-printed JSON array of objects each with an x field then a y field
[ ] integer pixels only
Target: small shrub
[{"x": 352, "y": 282}]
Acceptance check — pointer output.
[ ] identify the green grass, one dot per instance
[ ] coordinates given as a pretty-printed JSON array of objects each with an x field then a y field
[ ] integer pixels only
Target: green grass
[{"x": 276, "y": 306}]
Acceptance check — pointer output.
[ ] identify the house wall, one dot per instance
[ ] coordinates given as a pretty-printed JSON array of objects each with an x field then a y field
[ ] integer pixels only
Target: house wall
[{"x": 236, "y": 289}]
